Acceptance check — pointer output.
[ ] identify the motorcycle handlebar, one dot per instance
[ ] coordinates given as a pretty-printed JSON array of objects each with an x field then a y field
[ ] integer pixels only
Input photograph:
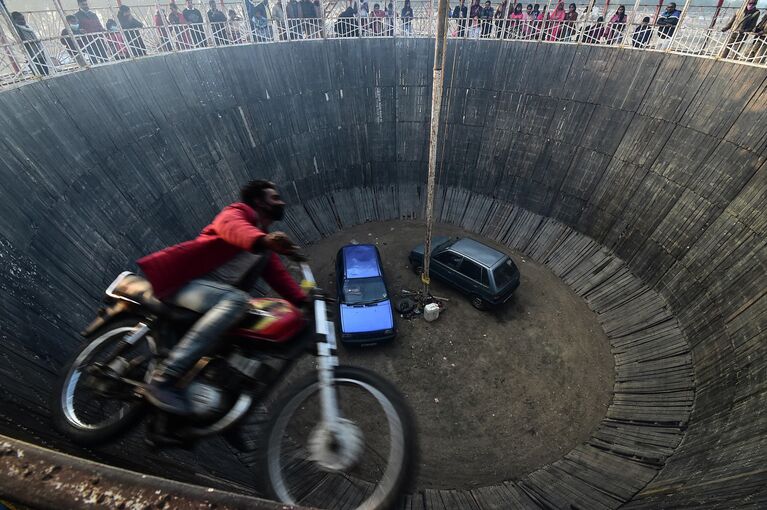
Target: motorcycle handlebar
[{"x": 308, "y": 275}]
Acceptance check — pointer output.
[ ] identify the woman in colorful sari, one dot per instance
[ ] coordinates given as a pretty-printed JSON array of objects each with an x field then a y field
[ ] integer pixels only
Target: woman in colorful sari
[
  {"x": 554, "y": 26},
  {"x": 568, "y": 29},
  {"x": 616, "y": 26}
]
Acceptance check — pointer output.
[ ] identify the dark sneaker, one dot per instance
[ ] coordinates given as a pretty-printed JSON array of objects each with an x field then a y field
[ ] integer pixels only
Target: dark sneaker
[{"x": 164, "y": 395}]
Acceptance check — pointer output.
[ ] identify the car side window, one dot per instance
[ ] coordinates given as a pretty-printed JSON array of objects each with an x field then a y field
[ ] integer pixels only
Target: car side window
[
  {"x": 450, "y": 259},
  {"x": 472, "y": 270},
  {"x": 484, "y": 278}
]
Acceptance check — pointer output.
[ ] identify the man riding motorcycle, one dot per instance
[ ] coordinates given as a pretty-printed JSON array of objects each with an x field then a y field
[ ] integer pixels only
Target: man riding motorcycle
[{"x": 212, "y": 275}]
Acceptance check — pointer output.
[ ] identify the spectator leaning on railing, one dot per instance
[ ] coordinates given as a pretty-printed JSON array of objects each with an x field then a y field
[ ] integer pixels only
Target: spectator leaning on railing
[
  {"x": 116, "y": 41},
  {"x": 217, "y": 21},
  {"x": 94, "y": 45},
  {"x": 73, "y": 43},
  {"x": 667, "y": 21},
  {"x": 571, "y": 16},
  {"x": 407, "y": 17},
  {"x": 486, "y": 17},
  {"x": 293, "y": 15},
  {"x": 38, "y": 61},
  {"x": 176, "y": 20},
  {"x": 193, "y": 17},
  {"x": 641, "y": 36},
  {"x": 234, "y": 25},
  {"x": 516, "y": 18},
  {"x": 759, "y": 48},
  {"x": 554, "y": 25},
  {"x": 460, "y": 12},
  {"x": 159, "y": 22},
  {"x": 740, "y": 31},
  {"x": 616, "y": 26},
  {"x": 500, "y": 19},
  {"x": 132, "y": 30},
  {"x": 594, "y": 33}
]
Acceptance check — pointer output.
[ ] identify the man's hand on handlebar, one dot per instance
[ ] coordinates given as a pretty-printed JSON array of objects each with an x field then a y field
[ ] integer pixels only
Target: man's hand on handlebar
[{"x": 279, "y": 242}]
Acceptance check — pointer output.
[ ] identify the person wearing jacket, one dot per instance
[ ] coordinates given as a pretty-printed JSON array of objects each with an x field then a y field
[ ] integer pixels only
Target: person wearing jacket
[
  {"x": 667, "y": 21},
  {"x": 739, "y": 33},
  {"x": 38, "y": 60},
  {"x": 486, "y": 18},
  {"x": 642, "y": 33},
  {"x": 460, "y": 13},
  {"x": 132, "y": 30},
  {"x": 193, "y": 17},
  {"x": 94, "y": 45},
  {"x": 73, "y": 43},
  {"x": 212, "y": 275},
  {"x": 759, "y": 46},
  {"x": 217, "y": 21}
]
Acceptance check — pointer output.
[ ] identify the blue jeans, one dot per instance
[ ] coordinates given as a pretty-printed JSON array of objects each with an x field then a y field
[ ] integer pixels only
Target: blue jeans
[{"x": 223, "y": 307}]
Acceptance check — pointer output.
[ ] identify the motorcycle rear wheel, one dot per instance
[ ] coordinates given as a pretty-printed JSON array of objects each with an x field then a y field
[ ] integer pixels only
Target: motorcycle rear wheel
[
  {"x": 294, "y": 477},
  {"x": 82, "y": 408}
]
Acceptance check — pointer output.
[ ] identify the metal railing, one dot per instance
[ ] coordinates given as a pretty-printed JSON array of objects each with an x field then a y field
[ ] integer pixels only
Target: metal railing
[{"x": 26, "y": 60}]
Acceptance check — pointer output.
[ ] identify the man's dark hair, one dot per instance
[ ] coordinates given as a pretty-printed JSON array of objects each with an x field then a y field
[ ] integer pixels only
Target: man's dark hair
[
  {"x": 71, "y": 17},
  {"x": 254, "y": 190}
]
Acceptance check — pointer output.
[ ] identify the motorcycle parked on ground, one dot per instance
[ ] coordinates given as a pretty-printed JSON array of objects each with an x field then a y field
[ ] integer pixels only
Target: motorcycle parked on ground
[{"x": 342, "y": 437}]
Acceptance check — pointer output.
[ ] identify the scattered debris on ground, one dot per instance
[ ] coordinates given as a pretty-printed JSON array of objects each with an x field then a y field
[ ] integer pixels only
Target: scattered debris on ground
[{"x": 412, "y": 303}]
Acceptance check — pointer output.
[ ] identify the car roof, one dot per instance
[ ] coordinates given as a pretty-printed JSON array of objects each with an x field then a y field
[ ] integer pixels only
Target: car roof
[
  {"x": 360, "y": 261},
  {"x": 477, "y": 251}
]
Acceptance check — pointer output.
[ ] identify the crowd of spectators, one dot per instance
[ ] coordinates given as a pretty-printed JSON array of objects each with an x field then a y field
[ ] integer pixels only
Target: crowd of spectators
[{"x": 85, "y": 39}]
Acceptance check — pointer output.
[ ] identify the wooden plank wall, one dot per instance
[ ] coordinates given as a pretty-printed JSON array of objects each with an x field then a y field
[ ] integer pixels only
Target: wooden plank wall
[{"x": 638, "y": 177}]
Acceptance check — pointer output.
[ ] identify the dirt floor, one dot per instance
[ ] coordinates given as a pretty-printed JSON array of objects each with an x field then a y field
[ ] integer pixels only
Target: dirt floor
[{"x": 496, "y": 394}]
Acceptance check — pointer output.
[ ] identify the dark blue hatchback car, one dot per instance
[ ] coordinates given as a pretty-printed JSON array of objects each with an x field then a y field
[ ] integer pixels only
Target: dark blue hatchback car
[{"x": 364, "y": 307}]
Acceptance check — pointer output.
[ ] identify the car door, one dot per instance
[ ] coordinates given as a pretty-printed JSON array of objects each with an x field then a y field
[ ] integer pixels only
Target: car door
[
  {"x": 445, "y": 265},
  {"x": 469, "y": 273}
]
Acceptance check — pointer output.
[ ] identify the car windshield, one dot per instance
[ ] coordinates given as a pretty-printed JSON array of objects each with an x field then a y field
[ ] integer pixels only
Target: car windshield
[
  {"x": 504, "y": 274},
  {"x": 362, "y": 291}
]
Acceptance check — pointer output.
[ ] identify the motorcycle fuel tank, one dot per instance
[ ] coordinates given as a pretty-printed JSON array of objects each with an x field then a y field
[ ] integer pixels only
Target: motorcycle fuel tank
[{"x": 271, "y": 320}]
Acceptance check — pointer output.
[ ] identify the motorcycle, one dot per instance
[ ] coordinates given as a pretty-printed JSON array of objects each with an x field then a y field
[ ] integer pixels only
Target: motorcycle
[{"x": 343, "y": 432}]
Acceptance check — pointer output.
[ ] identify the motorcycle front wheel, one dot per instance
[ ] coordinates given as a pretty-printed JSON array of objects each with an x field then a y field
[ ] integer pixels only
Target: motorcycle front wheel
[{"x": 365, "y": 464}]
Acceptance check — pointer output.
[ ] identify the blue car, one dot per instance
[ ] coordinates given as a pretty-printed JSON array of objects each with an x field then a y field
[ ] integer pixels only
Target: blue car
[{"x": 364, "y": 307}]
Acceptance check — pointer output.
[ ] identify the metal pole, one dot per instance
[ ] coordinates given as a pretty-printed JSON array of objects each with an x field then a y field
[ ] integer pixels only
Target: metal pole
[
  {"x": 631, "y": 23},
  {"x": 80, "y": 58},
  {"x": 8, "y": 50},
  {"x": 716, "y": 13},
  {"x": 440, "y": 44},
  {"x": 679, "y": 24},
  {"x": 657, "y": 11}
]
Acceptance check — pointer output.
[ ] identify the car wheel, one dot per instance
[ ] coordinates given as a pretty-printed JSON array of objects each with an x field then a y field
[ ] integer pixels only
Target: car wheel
[{"x": 478, "y": 303}]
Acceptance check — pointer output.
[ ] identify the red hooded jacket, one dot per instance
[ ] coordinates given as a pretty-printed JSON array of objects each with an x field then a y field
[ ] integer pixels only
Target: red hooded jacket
[{"x": 232, "y": 231}]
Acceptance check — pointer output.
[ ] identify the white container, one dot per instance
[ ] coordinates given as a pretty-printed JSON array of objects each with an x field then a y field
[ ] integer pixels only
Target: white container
[{"x": 431, "y": 312}]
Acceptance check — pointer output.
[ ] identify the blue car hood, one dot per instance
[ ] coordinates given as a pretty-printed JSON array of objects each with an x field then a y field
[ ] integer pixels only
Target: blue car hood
[{"x": 360, "y": 319}]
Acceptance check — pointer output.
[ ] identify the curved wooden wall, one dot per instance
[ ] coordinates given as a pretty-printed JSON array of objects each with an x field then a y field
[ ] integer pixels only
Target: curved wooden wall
[{"x": 656, "y": 160}]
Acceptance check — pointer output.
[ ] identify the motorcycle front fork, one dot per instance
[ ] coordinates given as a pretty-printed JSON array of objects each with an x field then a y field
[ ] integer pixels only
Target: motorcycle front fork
[{"x": 327, "y": 361}]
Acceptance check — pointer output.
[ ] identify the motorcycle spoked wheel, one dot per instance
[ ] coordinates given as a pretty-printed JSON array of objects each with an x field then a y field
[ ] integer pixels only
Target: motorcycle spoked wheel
[
  {"x": 92, "y": 409},
  {"x": 381, "y": 418}
]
